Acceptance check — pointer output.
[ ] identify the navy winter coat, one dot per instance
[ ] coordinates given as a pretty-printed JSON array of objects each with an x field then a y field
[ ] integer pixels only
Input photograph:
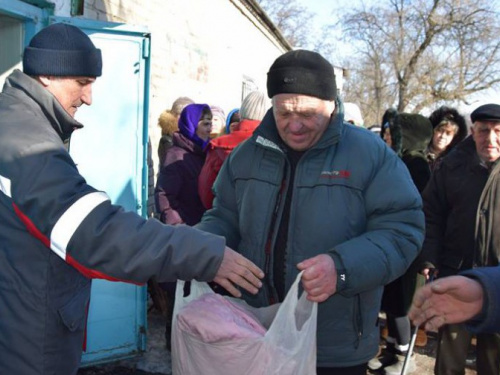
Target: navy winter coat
[
  {"x": 353, "y": 199},
  {"x": 57, "y": 233}
]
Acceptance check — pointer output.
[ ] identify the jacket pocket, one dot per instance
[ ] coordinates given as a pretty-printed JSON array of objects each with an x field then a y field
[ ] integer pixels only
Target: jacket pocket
[
  {"x": 73, "y": 314},
  {"x": 357, "y": 320}
]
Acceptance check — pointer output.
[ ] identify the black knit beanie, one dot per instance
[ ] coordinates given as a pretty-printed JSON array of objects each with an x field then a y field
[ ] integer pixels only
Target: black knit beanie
[
  {"x": 302, "y": 72},
  {"x": 62, "y": 50}
]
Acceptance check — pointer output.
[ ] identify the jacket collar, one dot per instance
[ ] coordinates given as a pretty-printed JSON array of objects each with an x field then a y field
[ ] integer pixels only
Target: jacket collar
[
  {"x": 465, "y": 155},
  {"x": 180, "y": 140},
  {"x": 59, "y": 119}
]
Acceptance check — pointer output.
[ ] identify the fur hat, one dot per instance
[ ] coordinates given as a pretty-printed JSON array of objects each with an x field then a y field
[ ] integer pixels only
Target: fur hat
[
  {"x": 302, "y": 72},
  {"x": 168, "y": 122},
  {"x": 254, "y": 106},
  {"x": 168, "y": 118},
  {"x": 445, "y": 113},
  {"x": 62, "y": 50},
  {"x": 449, "y": 114}
]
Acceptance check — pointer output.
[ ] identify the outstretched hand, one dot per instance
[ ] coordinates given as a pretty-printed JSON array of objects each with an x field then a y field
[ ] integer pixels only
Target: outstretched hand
[
  {"x": 449, "y": 300},
  {"x": 236, "y": 270},
  {"x": 319, "y": 278}
]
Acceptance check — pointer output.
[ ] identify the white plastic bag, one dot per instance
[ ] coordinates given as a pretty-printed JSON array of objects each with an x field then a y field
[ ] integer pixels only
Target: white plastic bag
[{"x": 287, "y": 348}]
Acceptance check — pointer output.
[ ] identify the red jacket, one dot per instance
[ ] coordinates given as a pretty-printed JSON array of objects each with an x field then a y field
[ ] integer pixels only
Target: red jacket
[{"x": 217, "y": 151}]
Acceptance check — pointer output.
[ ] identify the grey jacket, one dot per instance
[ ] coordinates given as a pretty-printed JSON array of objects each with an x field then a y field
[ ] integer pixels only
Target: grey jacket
[
  {"x": 57, "y": 233},
  {"x": 353, "y": 199}
]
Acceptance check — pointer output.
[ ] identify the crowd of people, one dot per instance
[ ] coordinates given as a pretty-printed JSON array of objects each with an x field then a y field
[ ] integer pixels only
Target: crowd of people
[
  {"x": 287, "y": 180},
  {"x": 458, "y": 192},
  {"x": 421, "y": 143}
]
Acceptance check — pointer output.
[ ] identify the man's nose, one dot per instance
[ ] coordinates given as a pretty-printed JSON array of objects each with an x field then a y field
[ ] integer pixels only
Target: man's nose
[
  {"x": 295, "y": 124},
  {"x": 492, "y": 137},
  {"x": 87, "y": 95}
]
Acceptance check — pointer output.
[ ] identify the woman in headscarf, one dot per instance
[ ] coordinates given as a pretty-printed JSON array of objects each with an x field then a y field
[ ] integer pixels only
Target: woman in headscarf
[{"x": 176, "y": 193}]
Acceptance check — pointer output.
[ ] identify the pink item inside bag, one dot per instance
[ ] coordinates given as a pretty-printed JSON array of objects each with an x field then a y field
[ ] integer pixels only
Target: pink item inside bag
[
  {"x": 213, "y": 318},
  {"x": 216, "y": 335}
]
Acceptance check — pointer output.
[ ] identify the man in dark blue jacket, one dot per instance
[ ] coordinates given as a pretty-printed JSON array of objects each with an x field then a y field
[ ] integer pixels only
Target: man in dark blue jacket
[
  {"x": 57, "y": 232},
  {"x": 310, "y": 192}
]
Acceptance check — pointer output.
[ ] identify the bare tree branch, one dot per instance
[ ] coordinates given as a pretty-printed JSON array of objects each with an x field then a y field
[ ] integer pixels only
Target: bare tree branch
[
  {"x": 292, "y": 19},
  {"x": 428, "y": 52}
]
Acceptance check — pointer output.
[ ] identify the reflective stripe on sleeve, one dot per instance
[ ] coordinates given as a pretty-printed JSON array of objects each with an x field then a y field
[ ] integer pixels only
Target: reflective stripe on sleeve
[
  {"x": 69, "y": 222},
  {"x": 5, "y": 186}
]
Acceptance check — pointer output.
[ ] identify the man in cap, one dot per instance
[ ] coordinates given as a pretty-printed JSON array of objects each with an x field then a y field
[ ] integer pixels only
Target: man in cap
[
  {"x": 310, "y": 192},
  {"x": 57, "y": 232},
  {"x": 462, "y": 233}
]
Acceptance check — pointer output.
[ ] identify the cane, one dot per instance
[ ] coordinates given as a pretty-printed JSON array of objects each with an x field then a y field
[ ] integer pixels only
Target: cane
[{"x": 432, "y": 276}]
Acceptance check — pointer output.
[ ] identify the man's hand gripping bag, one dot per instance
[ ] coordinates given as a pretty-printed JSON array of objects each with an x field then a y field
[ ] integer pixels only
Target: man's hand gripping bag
[{"x": 216, "y": 335}]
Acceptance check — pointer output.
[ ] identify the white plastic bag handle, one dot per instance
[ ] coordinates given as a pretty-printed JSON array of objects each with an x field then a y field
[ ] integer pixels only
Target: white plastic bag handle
[
  {"x": 198, "y": 289},
  {"x": 294, "y": 315}
]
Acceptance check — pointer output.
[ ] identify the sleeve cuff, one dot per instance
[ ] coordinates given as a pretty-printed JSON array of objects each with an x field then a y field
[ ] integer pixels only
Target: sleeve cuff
[{"x": 341, "y": 273}]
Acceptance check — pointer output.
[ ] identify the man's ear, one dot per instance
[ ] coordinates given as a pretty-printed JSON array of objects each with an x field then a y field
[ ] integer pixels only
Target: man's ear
[
  {"x": 44, "y": 80},
  {"x": 332, "y": 107}
]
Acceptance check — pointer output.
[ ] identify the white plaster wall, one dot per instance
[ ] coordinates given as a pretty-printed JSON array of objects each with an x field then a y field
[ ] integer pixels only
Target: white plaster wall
[
  {"x": 62, "y": 8},
  {"x": 199, "y": 48}
]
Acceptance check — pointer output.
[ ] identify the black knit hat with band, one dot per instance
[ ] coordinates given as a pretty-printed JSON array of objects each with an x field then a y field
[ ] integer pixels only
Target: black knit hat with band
[
  {"x": 62, "y": 50},
  {"x": 302, "y": 72}
]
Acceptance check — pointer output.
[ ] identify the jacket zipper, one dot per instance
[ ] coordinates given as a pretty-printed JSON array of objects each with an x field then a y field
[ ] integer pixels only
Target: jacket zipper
[
  {"x": 268, "y": 250},
  {"x": 358, "y": 320}
]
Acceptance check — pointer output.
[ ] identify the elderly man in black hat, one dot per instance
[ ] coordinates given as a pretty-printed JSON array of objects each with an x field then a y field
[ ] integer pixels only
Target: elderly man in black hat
[
  {"x": 462, "y": 221},
  {"x": 311, "y": 192},
  {"x": 57, "y": 232}
]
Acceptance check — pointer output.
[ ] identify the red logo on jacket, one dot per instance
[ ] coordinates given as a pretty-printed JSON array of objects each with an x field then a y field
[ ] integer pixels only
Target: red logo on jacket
[{"x": 335, "y": 174}]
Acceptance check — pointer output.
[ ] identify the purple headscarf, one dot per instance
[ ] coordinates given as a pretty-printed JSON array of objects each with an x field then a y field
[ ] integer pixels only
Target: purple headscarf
[{"x": 188, "y": 122}]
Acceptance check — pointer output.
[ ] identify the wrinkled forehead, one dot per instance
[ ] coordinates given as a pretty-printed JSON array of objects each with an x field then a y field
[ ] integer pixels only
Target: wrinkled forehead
[
  {"x": 487, "y": 124},
  {"x": 298, "y": 102}
]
